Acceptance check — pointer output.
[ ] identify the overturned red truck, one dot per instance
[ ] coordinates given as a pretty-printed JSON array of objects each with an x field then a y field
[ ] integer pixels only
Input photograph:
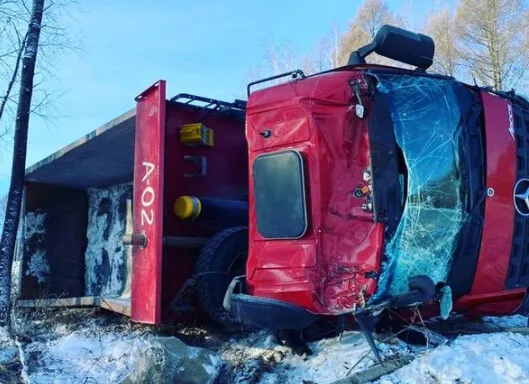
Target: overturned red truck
[{"x": 347, "y": 192}]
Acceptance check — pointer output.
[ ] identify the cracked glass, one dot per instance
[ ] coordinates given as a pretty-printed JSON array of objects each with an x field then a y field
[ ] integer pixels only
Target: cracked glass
[{"x": 427, "y": 123}]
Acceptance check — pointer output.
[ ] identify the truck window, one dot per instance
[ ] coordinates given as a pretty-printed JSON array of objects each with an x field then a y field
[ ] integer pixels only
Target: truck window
[
  {"x": 427, "y": 123},
  {"x": 279, "y": 190}
]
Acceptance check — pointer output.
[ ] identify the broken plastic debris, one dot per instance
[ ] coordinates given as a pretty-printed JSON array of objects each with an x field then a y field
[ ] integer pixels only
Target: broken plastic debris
[{"x": 446, "y": 302}]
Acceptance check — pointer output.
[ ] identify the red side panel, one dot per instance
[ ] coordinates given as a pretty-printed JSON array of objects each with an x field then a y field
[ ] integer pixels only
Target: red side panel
[
  {"x": 325, "y": 271},
  {"x": 491, "y": 270},
  {"x": 148, "y": 204},
  {"x": 226, "y": 178}
]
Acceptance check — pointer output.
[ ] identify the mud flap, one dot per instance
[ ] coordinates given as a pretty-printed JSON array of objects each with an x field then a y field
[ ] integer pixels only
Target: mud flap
[{"x": 146, "y": 299}]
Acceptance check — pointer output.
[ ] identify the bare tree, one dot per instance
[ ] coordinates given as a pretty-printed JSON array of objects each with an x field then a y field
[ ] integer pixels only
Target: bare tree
[
  {"x": 325, "y": 54},
  {"x": 12, "y": 78},
  {"x": 12, "y": 40},
  {"x": 284, "y": 57},
  {"x": 442, "y": 28},
  {"x": 494, "y": 40},
  {"x": 277, "y": 58},
  {"x": 14, "y": 16},
  {"x": 408, "y": 16},
  {"x": 372, "y": 15},
  {"x": 332, "y": 50},
  {"x": 14, "y": 203}
]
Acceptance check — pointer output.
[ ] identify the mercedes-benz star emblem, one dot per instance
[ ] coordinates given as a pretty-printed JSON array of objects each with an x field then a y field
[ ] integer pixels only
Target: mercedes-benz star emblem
[{"x": 521, "y": 197}]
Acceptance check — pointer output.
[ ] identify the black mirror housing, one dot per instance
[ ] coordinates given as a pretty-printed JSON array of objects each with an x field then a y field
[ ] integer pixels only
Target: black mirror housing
[{"x": 398, "y": 44}]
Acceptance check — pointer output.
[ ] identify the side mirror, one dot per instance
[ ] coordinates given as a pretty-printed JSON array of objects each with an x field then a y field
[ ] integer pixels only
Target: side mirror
[{"x": 398, "y": 44}]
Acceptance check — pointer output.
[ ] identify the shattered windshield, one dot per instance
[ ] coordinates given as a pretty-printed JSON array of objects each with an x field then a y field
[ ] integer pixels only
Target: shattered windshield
[{"x": 426, "y": 119}]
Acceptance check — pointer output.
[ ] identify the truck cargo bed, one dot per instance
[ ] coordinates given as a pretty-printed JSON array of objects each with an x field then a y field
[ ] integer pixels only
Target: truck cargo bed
[{"x": 122, "y": 179}]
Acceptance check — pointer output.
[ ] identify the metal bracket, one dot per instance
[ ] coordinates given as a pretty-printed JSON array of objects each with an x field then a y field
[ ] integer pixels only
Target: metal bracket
[
  {"x": 293, "y": 74},
  {"x": 235, "y": 286},
  {"x": 359, "y": 107},
  {"x": 208, "y": 105},
  {"x": 135, "y": 239}
]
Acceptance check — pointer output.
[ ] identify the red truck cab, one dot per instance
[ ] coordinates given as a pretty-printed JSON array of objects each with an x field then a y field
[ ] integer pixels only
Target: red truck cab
[{"x": 375, "y": 187}]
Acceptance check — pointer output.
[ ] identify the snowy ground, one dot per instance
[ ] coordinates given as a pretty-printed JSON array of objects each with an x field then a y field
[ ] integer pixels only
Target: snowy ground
[
  {"x": 67, "y": 350},
  {"x": 331, "y": 359},
  {"x": 96, "y": 350},
  {"x": 493, "y": 358},
  {"x": 85, "y": 355}
]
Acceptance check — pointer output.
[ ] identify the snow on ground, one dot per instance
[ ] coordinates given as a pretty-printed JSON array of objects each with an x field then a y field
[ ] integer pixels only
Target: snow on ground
[
  {"x": 486, "y": 358},
  {"x": 4, "y": 336},
  {"x": 7, "y": 346},
  {"x": 506, "y": 321},
  {"x": 85, "y": 356},
  {"x": 95, "y": 352},
  {"x": 489, "y": 358},
  {"x": 74, "y": 346},
  {"x": 331, "y": 359}
]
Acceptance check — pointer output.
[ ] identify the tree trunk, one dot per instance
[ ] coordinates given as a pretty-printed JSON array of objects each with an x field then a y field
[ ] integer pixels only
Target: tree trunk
[{"x": 14, "y": 202}]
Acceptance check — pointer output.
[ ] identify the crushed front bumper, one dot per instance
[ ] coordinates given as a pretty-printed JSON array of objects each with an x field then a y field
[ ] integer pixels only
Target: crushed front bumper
[{"x": 263, "y": 312}]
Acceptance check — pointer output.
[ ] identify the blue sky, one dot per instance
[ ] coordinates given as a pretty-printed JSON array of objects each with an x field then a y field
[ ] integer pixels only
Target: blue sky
[{"x": 202, "y": 47}]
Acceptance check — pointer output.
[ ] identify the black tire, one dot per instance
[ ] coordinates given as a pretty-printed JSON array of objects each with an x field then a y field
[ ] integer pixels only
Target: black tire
[{"x": 220, "y": 260}]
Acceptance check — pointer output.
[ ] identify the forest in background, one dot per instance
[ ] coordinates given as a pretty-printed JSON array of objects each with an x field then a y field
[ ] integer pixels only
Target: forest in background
[{"x": 485, "y": 42}]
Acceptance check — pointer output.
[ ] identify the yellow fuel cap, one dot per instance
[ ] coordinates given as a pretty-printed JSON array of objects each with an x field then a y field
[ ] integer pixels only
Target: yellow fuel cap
[{"x": 187, "y": 207}]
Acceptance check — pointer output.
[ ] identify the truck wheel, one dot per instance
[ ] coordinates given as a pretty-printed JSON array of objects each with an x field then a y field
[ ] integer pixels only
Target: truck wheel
[{"x": 220, "y": 260}]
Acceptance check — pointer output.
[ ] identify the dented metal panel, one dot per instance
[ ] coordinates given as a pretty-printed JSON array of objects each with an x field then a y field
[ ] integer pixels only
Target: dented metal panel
[{"x": 330, "y": 269}]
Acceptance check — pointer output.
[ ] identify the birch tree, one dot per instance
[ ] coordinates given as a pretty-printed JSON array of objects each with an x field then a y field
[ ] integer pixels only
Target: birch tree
[
  {"x": 494, "y": 41},
  {"x": 325, "y": 54},
  {"x": 284, "y": 57},
  {"x": 371, "y": 15},
  {"x": 14, "y": 202},
  {"x": 441, "y": 27}
]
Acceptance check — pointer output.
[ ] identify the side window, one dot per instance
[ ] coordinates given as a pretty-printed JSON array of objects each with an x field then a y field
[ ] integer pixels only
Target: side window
[{"x": 279, "y": 189}]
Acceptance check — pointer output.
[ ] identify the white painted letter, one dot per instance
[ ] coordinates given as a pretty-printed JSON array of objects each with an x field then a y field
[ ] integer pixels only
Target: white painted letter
[
  {"x": 149, "y": 218},
  {"x": 147, "y": 196},
  {"x": 149, "y": 168}
]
